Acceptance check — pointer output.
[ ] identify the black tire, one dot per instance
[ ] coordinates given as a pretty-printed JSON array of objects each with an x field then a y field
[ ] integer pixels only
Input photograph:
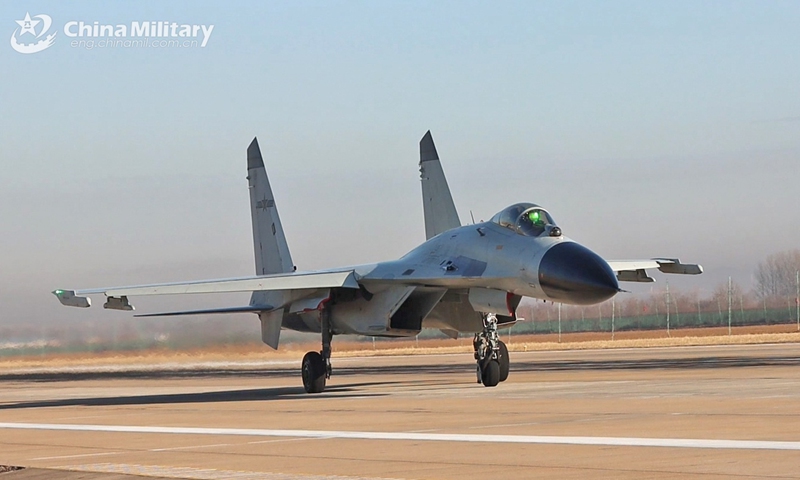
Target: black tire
[
  {"x": 313, "y": 372},
  {"x": 503, "y": 360},
  {"x": 491, "y": 374}
]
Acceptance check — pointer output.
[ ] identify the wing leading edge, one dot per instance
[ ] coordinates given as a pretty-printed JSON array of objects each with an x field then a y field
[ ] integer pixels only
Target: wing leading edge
[{"x": 288, "y": 281}]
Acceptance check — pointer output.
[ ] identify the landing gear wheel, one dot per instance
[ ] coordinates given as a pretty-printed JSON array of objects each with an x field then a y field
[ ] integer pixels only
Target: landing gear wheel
[
  {"x": 314, "y": 372},
  {"x": 317, "y": 365},
  {"x": 490, "y": 374},
  {"x": 503, "y": 360},
  {"x": 490, "y": 353}
]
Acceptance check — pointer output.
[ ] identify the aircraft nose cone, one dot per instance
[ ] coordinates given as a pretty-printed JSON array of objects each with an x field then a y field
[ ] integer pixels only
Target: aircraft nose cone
[{"x": 571, "y": 273}]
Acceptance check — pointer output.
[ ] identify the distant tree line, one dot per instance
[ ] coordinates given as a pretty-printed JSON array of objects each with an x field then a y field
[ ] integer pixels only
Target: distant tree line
[{"x": 777, "y": 275}]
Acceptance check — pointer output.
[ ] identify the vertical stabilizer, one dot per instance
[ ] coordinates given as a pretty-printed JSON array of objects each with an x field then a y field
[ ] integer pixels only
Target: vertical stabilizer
[
  {"x": 271, "y": 250},
  {"x": 437, "y": 202}
]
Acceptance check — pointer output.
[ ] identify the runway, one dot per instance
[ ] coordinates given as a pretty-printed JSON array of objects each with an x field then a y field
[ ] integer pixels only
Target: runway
[{"x": 703, "y": 412}]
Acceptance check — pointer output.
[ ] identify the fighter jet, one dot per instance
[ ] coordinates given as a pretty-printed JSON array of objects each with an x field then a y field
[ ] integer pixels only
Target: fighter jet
[{"x": 464, "y": 279}]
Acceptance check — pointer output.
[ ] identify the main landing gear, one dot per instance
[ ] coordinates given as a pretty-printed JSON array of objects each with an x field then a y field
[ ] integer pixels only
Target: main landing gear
[
  {"x": 491, "y": 354},
  {"x": 317, "y": 365}
]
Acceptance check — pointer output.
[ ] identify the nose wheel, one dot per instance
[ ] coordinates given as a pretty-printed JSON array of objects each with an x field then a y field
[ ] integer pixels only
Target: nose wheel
[{"x": 491, "y": 354}]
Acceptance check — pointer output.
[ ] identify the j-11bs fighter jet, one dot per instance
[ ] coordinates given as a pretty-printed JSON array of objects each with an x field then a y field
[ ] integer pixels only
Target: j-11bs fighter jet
[{"x": 463, "y": 279}]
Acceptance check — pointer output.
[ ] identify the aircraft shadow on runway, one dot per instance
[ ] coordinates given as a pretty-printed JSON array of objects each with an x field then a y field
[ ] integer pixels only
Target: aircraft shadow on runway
[
  {"x": 198, "y": 373},
  {"x": 243, "y": 395}
]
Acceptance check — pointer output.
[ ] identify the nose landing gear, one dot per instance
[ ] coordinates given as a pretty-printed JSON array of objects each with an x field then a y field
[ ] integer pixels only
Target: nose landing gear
[{"x": 491, "y": 354}]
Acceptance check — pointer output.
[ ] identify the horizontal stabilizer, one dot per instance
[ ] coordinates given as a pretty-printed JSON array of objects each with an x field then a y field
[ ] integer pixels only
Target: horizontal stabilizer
[{"x": 248, "y": 308}]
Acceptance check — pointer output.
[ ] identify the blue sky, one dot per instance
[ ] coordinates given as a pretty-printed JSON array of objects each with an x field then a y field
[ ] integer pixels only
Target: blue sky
[{"x": 646, "y": 128}]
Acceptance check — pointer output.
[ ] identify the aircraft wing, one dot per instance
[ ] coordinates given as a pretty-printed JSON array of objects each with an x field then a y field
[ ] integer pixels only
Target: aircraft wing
[
  {"x": 636, "y": 270},
  {"x": 117, "y": 296}
]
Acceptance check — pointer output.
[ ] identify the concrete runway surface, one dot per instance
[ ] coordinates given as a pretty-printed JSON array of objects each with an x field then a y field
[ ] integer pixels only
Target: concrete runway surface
[{"x": 700, "y": 412}]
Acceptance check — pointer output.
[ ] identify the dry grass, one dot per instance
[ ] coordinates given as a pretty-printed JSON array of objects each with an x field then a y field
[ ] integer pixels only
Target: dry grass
[{"x": 246, "y": 355}]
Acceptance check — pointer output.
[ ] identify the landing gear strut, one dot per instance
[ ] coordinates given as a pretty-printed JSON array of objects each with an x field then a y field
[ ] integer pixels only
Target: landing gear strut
[
  {"x": 491, "y": 354},
  {"x": 317, "y": 365}
]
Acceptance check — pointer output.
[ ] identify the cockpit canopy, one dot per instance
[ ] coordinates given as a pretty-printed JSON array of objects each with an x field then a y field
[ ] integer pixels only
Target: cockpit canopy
[{"x": 527, "y": 219}]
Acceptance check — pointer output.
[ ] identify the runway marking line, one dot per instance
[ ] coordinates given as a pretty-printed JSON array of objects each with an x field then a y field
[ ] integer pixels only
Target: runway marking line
[{"x": 432, "y": 437}]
